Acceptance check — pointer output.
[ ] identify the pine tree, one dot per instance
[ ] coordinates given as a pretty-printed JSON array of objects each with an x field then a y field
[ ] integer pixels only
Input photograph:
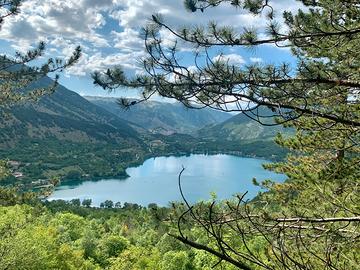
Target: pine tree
[{"x": 312, "y": 220}]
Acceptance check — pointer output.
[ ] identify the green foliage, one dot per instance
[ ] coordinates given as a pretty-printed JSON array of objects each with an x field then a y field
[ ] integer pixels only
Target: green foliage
[
  {"x": 66, "y": 236},
  {"x": 75, "y": 202},
  {"x": 4, "y": 170},
  {"x": 86, "y": 202},
  {"x": 108, "y": 204},
  {"x": 113, "y": 245},
  {"x": 12, "y": 196},
  {"x": 176, "y": 260},
  {"x": 30, "y": 242},
  {"x": 17, "y": 79},
  {"x": 74, "y": 174}
]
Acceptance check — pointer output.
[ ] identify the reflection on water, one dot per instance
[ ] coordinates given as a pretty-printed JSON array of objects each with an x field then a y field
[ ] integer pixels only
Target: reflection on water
[{"x": 155, "y": 181}]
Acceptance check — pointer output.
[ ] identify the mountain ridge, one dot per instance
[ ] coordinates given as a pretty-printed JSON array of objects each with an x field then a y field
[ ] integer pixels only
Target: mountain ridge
[
  {"x": 240, "y": 127},
  {"x": 162, "y": 117}
]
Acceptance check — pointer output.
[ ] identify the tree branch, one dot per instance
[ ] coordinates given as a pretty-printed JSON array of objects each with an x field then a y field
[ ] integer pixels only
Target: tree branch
[
  {"x": 319, "y": 220},
  {"x": 186, "y": 241}
]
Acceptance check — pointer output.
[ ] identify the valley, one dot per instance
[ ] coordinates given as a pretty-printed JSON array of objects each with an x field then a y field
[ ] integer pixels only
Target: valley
[{"x": 64, "y": 136}]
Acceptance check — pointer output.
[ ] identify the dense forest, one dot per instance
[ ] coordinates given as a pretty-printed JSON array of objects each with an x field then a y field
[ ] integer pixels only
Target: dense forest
[{"x": 65, "y": 235}]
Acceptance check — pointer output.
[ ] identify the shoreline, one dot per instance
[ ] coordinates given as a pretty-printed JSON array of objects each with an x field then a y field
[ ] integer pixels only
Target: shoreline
[
  {"x": 181, "y": 154},
  {"x": 147, "y": 157}
]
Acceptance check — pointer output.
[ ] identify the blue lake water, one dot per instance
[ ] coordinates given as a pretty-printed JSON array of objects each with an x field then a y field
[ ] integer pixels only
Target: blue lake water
[{"x": 156, "y": 181}]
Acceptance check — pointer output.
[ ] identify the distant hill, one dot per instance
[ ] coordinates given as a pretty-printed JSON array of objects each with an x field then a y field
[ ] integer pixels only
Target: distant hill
[
  {"x": 66, "y": 116},
  {"x": 242, "y": 128},
  {"x": 163, "y": 117},
  {"x": 246, "y": 135}
]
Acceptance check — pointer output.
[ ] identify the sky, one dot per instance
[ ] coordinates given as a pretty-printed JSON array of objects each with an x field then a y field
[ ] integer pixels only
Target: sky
[{"x": 109, "y": 33}]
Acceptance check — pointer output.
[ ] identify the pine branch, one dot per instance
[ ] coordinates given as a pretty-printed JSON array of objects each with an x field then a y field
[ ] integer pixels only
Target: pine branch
[
  {"x": 319, "y": 220},
  {"x": 241, "y": 42}
]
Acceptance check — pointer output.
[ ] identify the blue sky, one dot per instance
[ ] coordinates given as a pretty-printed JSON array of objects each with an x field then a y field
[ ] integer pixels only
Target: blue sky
[{"x": 108, "y": 32}]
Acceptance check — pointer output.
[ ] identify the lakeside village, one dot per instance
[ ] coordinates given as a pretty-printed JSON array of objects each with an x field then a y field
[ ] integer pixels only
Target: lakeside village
[{"x": 45, "y": 185}]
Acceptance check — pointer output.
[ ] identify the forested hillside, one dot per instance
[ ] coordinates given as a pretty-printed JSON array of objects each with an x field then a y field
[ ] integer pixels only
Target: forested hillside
[
  {"x": 249, "y": 136},
  {"x": 64, "y": 135},
  {"x": 241, "y": 128},
  {"x": 63, "y": 115}
]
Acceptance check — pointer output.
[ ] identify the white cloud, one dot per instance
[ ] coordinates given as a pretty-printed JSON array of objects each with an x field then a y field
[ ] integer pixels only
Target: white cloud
[
  {"x": 232, "y": 59},
  {"x": 128, "y": 40},
  {"x": 100, "y": 62},
  {"x": 47, "y": 19},
  {"x": 65, "y": 24},
  {"x": 256, "y": 59}
]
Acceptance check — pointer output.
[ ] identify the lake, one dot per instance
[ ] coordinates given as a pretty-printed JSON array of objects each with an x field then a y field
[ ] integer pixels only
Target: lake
[{"x": 156, "y": 181}]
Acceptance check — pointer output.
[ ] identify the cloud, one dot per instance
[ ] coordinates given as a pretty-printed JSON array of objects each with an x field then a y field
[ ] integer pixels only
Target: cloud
[
  {"x": 100, "y": 62},
  {"x": 108, "y": 30},
  {"x": 256, "y": 59},
  {"x": 232, "y": 59},
  {"x": 47, "y": 19},
  {"x": 127, "y": 40}
]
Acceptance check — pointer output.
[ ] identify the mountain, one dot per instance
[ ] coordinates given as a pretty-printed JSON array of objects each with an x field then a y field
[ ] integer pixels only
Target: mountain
[
  {"x": 242, "y": 128},
  {"x": 63, "y": 133},
  {"x": 65, "y": 115},
  {"x": 246, "y": 135},
  {"x": 162, "y": 117}
]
